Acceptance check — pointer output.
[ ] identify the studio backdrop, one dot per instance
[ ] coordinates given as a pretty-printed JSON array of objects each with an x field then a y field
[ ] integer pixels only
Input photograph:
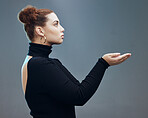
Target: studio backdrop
[{"x": 92, "y": 29}]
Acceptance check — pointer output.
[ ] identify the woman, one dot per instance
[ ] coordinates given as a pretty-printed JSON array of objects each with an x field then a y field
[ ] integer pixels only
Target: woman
[{"x": 51, "y": 91}]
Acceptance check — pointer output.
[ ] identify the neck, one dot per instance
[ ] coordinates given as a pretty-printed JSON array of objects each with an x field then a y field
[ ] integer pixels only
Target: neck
[
  {"x": 39, "y": 50},
  {"x": 39, "y": 41}
]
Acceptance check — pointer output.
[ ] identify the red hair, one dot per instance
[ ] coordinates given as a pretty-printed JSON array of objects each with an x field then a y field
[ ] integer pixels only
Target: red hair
[{"x": 31, "y": 16}]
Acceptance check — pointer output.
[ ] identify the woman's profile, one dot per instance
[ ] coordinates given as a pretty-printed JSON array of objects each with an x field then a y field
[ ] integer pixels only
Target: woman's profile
[{"x": 50, "y": 90}]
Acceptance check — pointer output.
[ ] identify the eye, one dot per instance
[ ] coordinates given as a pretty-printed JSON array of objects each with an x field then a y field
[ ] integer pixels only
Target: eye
[{"x": 56, "y": 24}]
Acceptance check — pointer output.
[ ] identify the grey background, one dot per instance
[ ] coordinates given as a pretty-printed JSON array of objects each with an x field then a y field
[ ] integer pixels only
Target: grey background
[{"x": 92, "y": 29}]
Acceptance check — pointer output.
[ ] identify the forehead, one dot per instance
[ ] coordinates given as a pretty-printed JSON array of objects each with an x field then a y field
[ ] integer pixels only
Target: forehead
[{"x": 52, "y": 17}]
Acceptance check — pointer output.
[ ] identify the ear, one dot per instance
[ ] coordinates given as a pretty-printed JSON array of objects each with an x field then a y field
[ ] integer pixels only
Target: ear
[{"x": 39, "y": 31}]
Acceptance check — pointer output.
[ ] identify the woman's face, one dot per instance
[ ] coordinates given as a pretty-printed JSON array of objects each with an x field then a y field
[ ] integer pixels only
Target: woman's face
[{"x": 53, "y": 31}]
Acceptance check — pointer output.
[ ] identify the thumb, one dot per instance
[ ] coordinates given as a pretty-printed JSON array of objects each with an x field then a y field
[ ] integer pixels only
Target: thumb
[{"x": 115, "y": 55}]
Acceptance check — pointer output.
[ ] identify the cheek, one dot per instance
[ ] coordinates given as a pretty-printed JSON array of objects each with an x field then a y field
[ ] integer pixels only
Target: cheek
[{"x": 53, "y": 32}]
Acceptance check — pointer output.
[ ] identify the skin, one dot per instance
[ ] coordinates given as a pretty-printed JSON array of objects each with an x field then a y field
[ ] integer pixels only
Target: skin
[
  {"x": 52, "y": 32},
  {"x": 115, "y": 58}
]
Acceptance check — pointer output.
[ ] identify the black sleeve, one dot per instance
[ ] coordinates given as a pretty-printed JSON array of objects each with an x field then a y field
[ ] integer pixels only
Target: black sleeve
[{"x": 61, "y": 87}]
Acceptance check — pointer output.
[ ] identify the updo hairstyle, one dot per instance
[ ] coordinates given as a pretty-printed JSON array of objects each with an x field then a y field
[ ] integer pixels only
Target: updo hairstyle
[{"x": 31, "y": 16}]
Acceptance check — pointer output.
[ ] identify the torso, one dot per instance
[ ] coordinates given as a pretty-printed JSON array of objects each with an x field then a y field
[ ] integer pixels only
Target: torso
[{"x": 24, "y": 73}]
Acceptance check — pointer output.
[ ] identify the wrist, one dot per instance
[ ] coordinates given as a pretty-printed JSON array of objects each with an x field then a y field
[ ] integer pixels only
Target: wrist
[{"x": 105, "y": 63}]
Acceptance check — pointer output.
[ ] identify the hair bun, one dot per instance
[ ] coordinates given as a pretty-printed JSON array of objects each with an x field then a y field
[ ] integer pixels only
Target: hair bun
[{"x": 28, "y": 15}]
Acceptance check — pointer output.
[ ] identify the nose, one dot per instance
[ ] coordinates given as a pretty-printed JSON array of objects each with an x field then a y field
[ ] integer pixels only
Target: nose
[{"x": 62, "y": 29}]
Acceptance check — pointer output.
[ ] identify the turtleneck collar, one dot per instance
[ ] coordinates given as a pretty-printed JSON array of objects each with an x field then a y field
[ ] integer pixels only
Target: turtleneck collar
[{"x": 39, "y": 50}]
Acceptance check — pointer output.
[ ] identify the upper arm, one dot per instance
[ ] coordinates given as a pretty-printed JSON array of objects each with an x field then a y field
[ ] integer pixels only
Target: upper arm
[{"x": 59, "y": 85}]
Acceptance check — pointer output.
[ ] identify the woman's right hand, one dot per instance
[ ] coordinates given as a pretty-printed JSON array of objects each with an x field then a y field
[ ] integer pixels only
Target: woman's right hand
[{"x": 115, "y": 58}]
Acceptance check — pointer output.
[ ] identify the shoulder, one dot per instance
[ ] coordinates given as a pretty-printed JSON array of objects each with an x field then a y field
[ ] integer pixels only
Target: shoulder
[
  {"x": 41, "y": 61},
  {"x": 44, "y": 66}
]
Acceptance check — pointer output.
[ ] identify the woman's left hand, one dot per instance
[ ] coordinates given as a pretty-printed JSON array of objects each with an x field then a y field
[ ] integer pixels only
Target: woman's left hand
[{"x": 115, "y": 58}]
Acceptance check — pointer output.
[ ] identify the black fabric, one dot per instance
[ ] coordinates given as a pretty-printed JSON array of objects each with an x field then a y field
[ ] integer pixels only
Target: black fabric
[
  {"x": 39, "y": 50},
  {"x": 52, "y": 91}
]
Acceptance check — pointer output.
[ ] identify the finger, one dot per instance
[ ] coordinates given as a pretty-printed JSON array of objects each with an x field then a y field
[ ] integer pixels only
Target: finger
[
  {"x": 113, "y": 55},
  {"x": 124, "y": 57}
]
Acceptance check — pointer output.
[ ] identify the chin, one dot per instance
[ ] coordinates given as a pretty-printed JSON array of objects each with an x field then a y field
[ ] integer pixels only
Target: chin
[{"x": 59, "y": 42}]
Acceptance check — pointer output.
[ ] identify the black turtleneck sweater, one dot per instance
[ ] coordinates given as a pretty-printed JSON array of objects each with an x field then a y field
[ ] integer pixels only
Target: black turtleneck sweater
[{"x": 51, "y": 90}]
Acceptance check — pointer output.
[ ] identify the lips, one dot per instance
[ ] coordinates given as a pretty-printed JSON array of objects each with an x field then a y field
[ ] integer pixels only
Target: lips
[{"x": 62, "y": 36}]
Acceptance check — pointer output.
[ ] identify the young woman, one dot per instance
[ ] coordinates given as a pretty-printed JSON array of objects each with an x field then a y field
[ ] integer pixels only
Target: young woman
[{"x": 51, "y": 91}]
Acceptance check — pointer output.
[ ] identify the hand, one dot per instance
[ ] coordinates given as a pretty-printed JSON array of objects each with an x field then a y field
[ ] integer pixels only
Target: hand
[{"x": 115, "y": 58}]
